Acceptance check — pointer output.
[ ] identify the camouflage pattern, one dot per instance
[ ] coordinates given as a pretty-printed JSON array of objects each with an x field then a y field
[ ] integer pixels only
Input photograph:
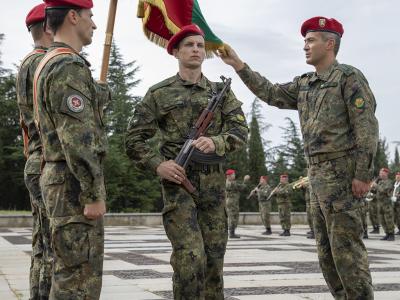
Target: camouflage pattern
[
  {"x": 364, "y": 216},
  {"x": 264, "y": 204},
  {"x": 396, "y": 206},
  {"x": 282, "y": 195},
  {"x": 373, "y": 211},
  {"x": 195, "y": 224},
  {"x": 41, "y": 258},
  {"x": 340, "y": 134},
  {"x": 384, "y": 191},
  {"x": 232, "y": 192},
  {"x": 307, "y": 198},
  {"x": 74, "y": 148}
]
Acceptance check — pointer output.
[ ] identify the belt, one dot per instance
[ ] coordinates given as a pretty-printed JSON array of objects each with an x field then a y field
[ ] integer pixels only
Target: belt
[{"x": 318, "y": 158}]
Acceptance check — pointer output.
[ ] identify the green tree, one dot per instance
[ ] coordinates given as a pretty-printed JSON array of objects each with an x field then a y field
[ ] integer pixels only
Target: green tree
[
  {"x": 395, "y": 166},
  {"x": 381, "y": 158},
  {"x": 13, "y": 193},
  {"x": 129, "y": 189}
]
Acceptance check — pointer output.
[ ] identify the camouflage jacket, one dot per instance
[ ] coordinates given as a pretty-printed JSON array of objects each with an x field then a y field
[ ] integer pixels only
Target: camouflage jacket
[
  {"x": 24, "y": 90},
  {"x": 263, "y": 192},
  {"x": 233, "y": 188},
  {"x": 282, "y": 193},
  {"x": 336, "y": 110},
  {"x": 70, "y": 114},
  {"x": 384, "y": 189},
  {"x": 170, "y": 108}
]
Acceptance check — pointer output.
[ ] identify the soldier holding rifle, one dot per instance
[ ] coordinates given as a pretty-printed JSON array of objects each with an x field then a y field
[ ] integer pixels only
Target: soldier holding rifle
[{"x": 194, "y": 217}]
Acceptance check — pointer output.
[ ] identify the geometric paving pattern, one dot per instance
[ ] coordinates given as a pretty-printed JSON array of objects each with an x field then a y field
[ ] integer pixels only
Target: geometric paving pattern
[{"x": 256, "y": 267}]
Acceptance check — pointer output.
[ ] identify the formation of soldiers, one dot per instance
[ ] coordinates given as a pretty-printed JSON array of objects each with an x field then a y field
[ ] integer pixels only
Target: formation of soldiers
[{"x": 62, "y": 114}]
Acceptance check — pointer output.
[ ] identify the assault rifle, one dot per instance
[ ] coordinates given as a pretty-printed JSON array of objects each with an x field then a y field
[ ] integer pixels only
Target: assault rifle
[{"x": 201, "y": 126}]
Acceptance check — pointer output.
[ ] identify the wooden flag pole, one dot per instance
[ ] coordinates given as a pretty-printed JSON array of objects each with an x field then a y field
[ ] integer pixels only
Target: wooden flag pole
[{"x": 107, "y": 44}]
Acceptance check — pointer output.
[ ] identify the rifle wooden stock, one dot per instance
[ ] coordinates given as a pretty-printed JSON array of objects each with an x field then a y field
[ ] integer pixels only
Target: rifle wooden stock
[{"x": 108, "y": 41}]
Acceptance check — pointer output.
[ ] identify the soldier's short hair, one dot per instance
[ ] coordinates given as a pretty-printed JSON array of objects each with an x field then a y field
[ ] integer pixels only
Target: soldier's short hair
[
  {"x": 36, "y": 31},
  {"x": 330, "y": 35},
  {"x": 55, "y": 17}
]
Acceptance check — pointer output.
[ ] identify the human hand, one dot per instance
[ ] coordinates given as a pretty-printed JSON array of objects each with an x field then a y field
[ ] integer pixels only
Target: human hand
[
  {"x": 246, "y": 178},
  {"x": 171, "y": 171},
  {"x": 229, "y": 56},
  {"x": 204, "y": 144},
  {"x": 94, "y": 210},
  {"x": 359, "y": 188}
]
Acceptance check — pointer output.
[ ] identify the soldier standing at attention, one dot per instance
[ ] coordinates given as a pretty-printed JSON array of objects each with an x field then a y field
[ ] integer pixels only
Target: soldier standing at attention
[
  {"x": 40, "y": 270},
  {"x": 340, "y": 132},
  {"x": 373, "y": 207},
  {"x": 384, "y": 190},
  {"x": 396, "y": 200},
  {"x": 282, "y": 194},
  {"x": 263, "y": 190},
  {"x": 232, "y": 194},
  {"x": 196, "y": 224},
  {"x": 69, "y": 108}
]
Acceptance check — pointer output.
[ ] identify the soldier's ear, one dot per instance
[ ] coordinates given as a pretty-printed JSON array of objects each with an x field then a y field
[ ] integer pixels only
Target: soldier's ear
[{"x": 175, "y": 52}]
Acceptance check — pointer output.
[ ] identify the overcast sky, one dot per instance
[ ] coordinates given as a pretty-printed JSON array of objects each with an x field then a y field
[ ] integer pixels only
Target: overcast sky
[{"x": 266, "y": 34}]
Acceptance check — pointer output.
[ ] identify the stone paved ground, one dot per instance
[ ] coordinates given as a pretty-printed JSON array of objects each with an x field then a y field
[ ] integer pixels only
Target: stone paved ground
[{"x": 256, "y": 267}]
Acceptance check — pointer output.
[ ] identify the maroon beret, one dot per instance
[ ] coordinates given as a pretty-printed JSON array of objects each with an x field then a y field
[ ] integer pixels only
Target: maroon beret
[
  {"x": 284, "y": 176},
  {"x": 322, "y": 24},
  {"x": 386, "y": 170},
  {"x": 180, "y": 35},
  {"x": 36, "y": 15},
  {"x": 85, "y": 4},
  {"x": 230, "y": 172},
  {"x": 264, "y": 177},
  {"x": 398, "y": 173}
]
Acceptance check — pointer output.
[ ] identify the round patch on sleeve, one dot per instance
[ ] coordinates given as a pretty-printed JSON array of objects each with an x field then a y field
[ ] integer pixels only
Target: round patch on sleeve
[
  {"x": 75, "y": 103},
  {"x": 240, "y": 118},
  {"x": 359, "y": 103}
]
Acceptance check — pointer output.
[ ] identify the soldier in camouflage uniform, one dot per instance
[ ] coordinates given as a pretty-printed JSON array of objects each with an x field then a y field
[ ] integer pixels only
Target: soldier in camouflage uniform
[
  {"x": 69, "y": 113},
  {"x": 41, "y": 258},
  {"x": 263, "y": 190},
  {"x": 384, "y": 190},
  {"x": 232, "y": 195},
  {"x": 340, "y": 132},
  {"x": 396, "y": 201},
  {"x": 196, "y": 224},
  {"x": 373, "y": 208},
  {"x": 282, "y": 195}
]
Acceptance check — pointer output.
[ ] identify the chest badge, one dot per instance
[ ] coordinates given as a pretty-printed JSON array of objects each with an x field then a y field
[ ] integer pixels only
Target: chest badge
[{"x": 75, "y": 103}]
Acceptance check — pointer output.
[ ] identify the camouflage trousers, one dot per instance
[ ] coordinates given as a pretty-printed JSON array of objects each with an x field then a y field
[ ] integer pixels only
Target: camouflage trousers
[
  {"x": 196, "y": 225},
  {"x": 232, "y": 208},
  {"x": 373, "y": 212},
  {"x": 386, "y": 215},
  {"x": 265, "y": 212},
  {"x": 338, "y": 229},
  {"x": 77, "y": 242},
  {"x": 397, "y": 213},
  {"x": 284, "y": 210},
  {"x": 41, "y": 258},
  {"x": 309, "y": 215},
  {"x": 364, "y": 213}
]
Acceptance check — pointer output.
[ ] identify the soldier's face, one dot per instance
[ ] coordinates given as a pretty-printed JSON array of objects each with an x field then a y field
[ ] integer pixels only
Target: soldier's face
[
  {"x": 191, "y": 52},
  {"x": 86, "y": 26},
  {"x": 315, "y": 48},
  {"x": 284, "y": 179},
  {"x": 397, "y": 177},
  {"x": 383, "y": 174}
]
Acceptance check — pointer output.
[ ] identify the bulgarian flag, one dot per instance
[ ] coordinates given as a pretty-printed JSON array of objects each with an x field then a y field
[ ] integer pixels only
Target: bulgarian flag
[{"x": 163, "y": 18}]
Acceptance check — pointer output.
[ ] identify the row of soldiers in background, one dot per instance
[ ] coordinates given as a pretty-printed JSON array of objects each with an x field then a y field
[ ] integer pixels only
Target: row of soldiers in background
[
  {"x": 265, "y": 194},
  {"x": 383, "y": 203}
]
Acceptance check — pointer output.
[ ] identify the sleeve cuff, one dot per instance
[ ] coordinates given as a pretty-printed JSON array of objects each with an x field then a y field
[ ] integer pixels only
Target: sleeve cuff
[
  {"x": 154, "y": 162},
  {"x": 95, "y": 193},
  {"x": 219, "y": 143}
]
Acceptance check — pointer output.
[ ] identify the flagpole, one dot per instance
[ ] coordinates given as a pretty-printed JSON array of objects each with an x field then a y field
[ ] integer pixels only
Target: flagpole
[{"x": 108, "y": 41}]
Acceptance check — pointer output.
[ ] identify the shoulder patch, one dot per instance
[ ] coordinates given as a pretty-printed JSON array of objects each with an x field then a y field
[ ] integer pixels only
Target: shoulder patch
[
  {"x": 163, "y": 83},
  {"x": 75, "y": 103},
  {"x": 359, "y": 103}
]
